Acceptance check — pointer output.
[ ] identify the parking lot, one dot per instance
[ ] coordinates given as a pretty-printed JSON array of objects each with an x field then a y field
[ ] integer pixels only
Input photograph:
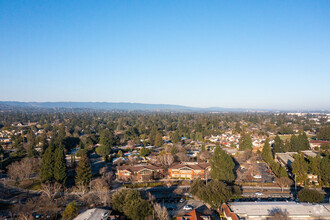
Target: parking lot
[{"x": 175, "y": 207}]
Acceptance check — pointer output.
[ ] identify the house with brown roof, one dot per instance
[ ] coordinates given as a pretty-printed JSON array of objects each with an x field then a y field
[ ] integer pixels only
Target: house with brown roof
[
  {"x": 195, "y": 215},
  {"x": 139, "y": 172},
  {"x": 189, "y": 170}
]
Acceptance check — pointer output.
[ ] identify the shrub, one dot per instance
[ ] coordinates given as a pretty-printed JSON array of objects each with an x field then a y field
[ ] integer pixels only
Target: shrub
[{"x": 310, "y": 195}]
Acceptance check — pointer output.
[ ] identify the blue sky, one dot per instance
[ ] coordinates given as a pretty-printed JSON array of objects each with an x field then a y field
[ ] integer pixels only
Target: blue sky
[{"x": 249, "y": 54}]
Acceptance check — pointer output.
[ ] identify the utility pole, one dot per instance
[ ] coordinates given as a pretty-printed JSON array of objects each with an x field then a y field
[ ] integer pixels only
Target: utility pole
[{"x": 295, "y": 182}]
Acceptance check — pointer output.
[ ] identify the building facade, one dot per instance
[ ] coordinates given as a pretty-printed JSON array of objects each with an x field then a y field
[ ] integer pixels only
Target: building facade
[{"x": 189, "y": 171}]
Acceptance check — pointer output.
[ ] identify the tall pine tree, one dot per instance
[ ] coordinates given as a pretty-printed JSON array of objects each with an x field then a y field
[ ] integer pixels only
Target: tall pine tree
[
  {"x": 47, "y": 165},
  {"x": 278, "y": 146},
  {"x": 60, "y": 170},
  {"x": 245, "y": 142},
  {"x": 83, "y": 171},
  {"x": 267, "y": 152},
  {"x": 222, "y": 166}
]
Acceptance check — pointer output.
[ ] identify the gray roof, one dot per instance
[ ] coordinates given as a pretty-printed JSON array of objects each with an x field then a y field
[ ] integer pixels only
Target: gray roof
[
  {"x": 92, "y": 214},
  {"x": 295, "y": 210}
]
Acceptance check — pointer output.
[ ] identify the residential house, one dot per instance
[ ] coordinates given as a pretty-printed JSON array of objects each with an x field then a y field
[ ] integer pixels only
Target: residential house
[
  {"x": 195, "y": 215},
  {"x": 139, "y": 172},
  {"x": 189, "y": 170}
]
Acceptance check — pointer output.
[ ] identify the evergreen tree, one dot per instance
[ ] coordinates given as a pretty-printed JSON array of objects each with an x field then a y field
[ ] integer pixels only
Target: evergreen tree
[
  {"x": 294, "y": 143},
  {"x": 282, "y": 172},
  {"x": 222, "y": 166},
  {"x": 245, "y": 142},
  {"x": 83, "y": 171},
  {"x": 176, "y": 137},
  {"x": 144, "y": 152},
  {"x": 120, "y": 153},
  {"x": 107, "y": 139},
  {"x": 266, "y": 152},
  {"x": 60, "y": 170},
  {"x": 303, "y": 143},
  {"x": 158, "y": 140},
  {"x": 103, "y": 151},
  {"x": 70, "y": 211},
  {"x": 47, "y": 165},
  {"x": 299, "y": 168},
  {"x": 325, "y": 171},
  {"x": 278, "y": 146}
]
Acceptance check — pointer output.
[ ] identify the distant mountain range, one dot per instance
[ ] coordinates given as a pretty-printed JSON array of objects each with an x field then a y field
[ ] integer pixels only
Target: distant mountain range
[
  {"x": 118, "y": 106},
  {"x": 125, "y": 106}
]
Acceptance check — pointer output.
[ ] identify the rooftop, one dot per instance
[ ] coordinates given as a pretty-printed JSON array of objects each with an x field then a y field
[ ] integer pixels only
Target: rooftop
[{"x": 295, "y": 210}]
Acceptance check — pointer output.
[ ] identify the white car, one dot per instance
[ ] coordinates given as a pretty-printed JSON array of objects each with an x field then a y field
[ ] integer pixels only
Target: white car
[
  {"x": 187, "y": 207},
  {"x": 259, "y": 194}
]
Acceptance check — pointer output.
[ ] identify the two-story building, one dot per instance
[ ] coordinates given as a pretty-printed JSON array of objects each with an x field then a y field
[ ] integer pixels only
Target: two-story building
[
  {"x": 139, "y": 172},
  {"x": 189, "y": 170}
]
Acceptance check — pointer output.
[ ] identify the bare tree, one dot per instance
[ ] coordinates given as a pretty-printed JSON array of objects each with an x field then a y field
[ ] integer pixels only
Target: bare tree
[
  {"x": 279, "y": 214},
  {"x": 165, "y": 160},
  {"x": 101, "y": 190},
  {"x": 132, "y": 159},
  {"x": 80, "y": 188},
  {"x": 24, "y": 169},
  {"x": 161, "y": 212},
  {"x": 24, "y": 211},
  {"x": 182, "y": 156},
  {"x": 48, "y": 207},
  {"x": 51, "y": 190},
  {"x": 205, "y": 155},
  {"x": 282, "y": 182}
]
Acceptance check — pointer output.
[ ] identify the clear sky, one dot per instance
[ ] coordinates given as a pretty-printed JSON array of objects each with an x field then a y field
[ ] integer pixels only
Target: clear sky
[{"x": 249, "y": 54}]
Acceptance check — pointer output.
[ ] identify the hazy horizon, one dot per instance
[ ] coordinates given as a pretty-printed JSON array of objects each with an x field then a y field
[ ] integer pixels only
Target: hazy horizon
[{"x": 256, "y": 54}]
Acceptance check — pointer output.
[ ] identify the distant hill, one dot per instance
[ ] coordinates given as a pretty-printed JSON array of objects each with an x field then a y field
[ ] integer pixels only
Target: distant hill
[{"x": 125, "y": 106}]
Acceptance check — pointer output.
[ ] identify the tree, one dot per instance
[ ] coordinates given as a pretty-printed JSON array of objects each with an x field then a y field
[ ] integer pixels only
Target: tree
[
  {"x": 282, "y": 181},
  {"x": 324, "y": 133},
  {"x": 195, "y": 187},
  {"x": 303, "y": 141},
  {"x": 60, "y": 170},
  {"x": 278, "y": 146},
  {"x": 47, "y": 165},
  {"x": 245, "y": 142},
  {"x": 101, "y": 191},
  {"x": 21, "y": 170},
  {"x": 204, "y": 155},
  {"x": 267, "y": 152},
  {"x": 161, "y": 212},
  {"x": 129, "y": 202},
  {"x": 83, "y": 171},
  {"x": 120, "y": 153},
  {"x": 222, "y": 166},
  {"x": 70, "y": 211},
  {"x": 310, "y": 195},
  {"x": 325, "y": 171},
  {"x": 144, "y": 152},
  {"x": 282, "y": 172},
  {"x": 165, "y": 160},
  {"x": 176, "y": 138},
  {"x": 103, "y": 151},
  {"x": 215, "y": 193},
  {"x": 107, "y": 139},
  {"x": 158, "y": 139},
  {"x": 300, "y": 168},
  {"x": 51, "y": 190}
]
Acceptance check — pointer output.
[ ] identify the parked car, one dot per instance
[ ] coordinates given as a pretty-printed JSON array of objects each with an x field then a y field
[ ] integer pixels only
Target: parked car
[
  {"x": 259, "y": 194},
  {"x": 188, "y": 207},
  {"x": 182, "y": 200}
]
